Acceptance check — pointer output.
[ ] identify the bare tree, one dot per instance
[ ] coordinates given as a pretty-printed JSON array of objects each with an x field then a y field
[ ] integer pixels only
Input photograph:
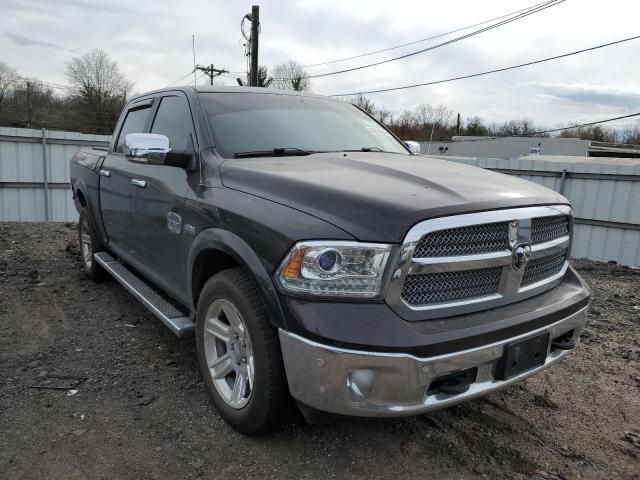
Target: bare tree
[
  {"x": 631, "y": 134},
  {"x": 8, "y": 80},
  {"x": 364, "y": 103},
  {"x": 97, "y": 83},
  {"x": 291, "y": 76},
  {"x": 424, "y": 116},
  {"x": 442, "y": 115},
  {"x": 384, "y": 116},
  {"x": 597, "y": 133}
]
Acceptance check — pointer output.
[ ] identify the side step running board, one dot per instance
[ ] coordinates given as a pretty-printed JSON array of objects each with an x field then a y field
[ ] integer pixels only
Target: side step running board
[{"x": 170, "y": 315}]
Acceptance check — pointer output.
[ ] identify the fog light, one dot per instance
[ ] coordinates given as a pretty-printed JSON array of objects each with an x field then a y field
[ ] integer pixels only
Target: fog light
[{"x": 359, "y": 383}]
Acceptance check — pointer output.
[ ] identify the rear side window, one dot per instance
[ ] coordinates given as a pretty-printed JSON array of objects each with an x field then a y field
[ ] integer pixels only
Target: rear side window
[
  {"x": 135, "y": 122},
  {"x": 173, "y": 119}
]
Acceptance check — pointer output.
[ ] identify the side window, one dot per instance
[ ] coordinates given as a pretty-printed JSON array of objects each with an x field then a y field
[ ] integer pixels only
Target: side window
[
  {"x": 173, "y": 119},
  {"x": 133, "y": 123}
]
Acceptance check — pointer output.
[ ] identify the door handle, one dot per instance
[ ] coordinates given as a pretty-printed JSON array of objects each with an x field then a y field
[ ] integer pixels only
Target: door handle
[
  {"x": 104, "y": 173},
  {"x": 139, "y": 183}
]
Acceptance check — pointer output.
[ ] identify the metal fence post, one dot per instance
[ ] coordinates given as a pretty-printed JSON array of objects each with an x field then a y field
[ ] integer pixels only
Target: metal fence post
[
  {"x": 45, "y": 176},
  {"x": 563, "y": 179}
]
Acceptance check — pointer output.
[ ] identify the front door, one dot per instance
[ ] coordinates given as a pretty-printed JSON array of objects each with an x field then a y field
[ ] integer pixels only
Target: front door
[{"x": 160, "y": 194}]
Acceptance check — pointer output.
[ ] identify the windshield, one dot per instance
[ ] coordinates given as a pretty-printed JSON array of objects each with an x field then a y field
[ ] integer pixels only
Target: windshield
[{"x": 271, "y": 124}]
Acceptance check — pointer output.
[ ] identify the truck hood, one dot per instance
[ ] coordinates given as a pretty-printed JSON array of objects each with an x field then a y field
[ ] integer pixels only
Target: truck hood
[{"x": 378, "y": 196}]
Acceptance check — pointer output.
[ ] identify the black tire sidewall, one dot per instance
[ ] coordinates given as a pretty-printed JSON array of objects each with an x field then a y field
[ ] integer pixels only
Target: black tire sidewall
[
  {"x": 253, "y": 417},
  {"x": 96, "y": 272}
]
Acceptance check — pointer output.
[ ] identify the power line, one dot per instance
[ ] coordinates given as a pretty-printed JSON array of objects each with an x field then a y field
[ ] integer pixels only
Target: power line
[
  {"x": 448, "y": 42},
  {"x": 497, "y": 70},
  {"x": 55, "y": 85},
  {"x": 433, "y": 37},
  {"x": 180, "y": 79},
  {"x": 199, "y": 77},
  {"x": 232, "y": 77},
  {"x": 553, "y": 130},
  {"x": 622, "y": 117}
]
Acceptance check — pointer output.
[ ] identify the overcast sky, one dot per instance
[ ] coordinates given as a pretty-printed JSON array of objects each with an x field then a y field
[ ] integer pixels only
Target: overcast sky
[{"x": 151, "y": 41}]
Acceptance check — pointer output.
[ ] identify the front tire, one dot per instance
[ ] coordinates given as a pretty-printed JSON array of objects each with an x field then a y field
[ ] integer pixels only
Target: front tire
[
  {"x": 89, "y": 244},
  {"x": 239, "y": 354}
]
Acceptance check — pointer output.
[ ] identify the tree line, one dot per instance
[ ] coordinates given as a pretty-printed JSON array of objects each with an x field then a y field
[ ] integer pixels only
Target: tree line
[
  {"x": 438, "y": 123},
  {"x": 97, "y": 91},
  {"x": 91, "y": 103}
]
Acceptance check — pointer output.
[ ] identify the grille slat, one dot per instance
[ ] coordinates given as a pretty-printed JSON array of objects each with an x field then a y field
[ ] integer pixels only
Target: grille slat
[
  {"x": 470, "y": 240},
  {"x": 543, "y": 267},
  {"x": 545, "y": 229},
  {"x": 446, "y": 287}
]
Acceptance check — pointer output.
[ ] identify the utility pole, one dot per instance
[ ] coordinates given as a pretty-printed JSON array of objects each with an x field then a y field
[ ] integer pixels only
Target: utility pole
[
  {"x": 433, "y": 127},
  {"x": 211, "y": 72},
  {"x": 29, "y": 89},
  {"x": 255, "y": 31},
  {"x": 458, "y": 125}
]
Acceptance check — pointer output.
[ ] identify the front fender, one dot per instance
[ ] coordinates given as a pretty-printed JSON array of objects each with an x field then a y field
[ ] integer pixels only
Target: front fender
[{"x": 234, "y": 246}]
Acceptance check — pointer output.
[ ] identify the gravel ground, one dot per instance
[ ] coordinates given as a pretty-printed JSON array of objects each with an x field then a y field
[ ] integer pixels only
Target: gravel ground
[{"x": 143, "y": 412}]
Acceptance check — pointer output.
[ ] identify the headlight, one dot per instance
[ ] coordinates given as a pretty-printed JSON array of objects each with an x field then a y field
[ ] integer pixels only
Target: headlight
[{"x": 334, "y": 268}]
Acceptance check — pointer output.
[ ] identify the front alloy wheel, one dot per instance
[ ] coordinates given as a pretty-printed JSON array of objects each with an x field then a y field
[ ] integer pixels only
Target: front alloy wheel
[
  {"x": 228, "y": 352},
  {"x": 239, "y": 354}
]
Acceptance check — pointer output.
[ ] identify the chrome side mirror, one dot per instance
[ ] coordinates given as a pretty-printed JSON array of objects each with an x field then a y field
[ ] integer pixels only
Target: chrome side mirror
[
  {"x": 150, "y": 145},
  {"x": 414, "y": 147}
]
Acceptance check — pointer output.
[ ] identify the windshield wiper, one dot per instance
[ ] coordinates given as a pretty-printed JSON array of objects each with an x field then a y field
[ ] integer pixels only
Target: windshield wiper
[
  {"x": 276, "y": 152},
  {"x": 366, "y": 149}
]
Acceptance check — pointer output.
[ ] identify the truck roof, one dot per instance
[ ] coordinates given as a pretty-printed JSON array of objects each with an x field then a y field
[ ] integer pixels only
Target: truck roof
[{"x": 231, "y": 89}]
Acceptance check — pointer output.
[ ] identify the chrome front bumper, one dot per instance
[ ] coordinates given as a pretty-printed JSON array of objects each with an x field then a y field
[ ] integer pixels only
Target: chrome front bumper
[{"x": 374, "y": 384}]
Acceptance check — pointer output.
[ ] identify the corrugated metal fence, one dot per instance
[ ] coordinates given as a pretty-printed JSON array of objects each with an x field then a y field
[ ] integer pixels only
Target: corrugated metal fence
[
  {"x": 605, "y": 193},
  {"x": 34, "y": 173},
  {"x": 508, "y": 147}
]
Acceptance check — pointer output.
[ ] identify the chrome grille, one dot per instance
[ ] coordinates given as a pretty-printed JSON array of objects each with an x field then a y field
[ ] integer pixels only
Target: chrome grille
[
  {"x": 471, "y": 240},
  {"x": 543, "y": 267},
  {"x": 466, "y": 263},
  {"x": 446, "y": 287},
  {"x": 545, "y": 229}
]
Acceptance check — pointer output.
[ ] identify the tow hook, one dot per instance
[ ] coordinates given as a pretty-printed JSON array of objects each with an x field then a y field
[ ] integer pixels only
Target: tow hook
[
  {"x": 453, "y": 383},
  {"x": 564, "y": 342}
]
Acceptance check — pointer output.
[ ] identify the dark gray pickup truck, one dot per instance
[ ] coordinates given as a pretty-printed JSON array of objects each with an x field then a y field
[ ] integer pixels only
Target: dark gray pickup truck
[{"x": 317, "y": 259}]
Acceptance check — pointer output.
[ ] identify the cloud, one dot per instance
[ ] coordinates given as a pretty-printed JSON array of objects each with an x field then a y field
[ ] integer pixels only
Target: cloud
[
  {"x": 151, "y": 41},
  {"x": 591, "y": 95},
  {"x": 30, "y": 42}
]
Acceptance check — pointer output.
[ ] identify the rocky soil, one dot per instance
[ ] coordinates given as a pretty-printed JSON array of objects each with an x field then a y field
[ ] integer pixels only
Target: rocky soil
[{"x": 142, "y": 411}]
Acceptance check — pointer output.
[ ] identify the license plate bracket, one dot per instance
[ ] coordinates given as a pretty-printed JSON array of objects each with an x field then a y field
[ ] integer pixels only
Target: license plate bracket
[{"x": 522, "y": 355}]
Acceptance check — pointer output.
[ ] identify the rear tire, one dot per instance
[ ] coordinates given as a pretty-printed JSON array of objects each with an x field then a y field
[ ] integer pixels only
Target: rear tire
[
  {"x": 239, "y": 354},
  {"x": 89, "y": 244}
]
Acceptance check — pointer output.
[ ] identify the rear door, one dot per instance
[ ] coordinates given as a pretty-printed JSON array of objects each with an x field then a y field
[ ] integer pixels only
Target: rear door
[
  {"x": 160, "y": 194},
  {"x": 116, "y": 190}
]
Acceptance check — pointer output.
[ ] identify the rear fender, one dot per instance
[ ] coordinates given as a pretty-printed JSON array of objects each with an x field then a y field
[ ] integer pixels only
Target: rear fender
[{"x": 92, "y": 199}]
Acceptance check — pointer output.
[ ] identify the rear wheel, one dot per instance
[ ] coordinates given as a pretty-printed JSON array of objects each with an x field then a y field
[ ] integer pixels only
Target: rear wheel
[
  {"x": 239, "y": 354},
  {"x": 90, "y": 244}
]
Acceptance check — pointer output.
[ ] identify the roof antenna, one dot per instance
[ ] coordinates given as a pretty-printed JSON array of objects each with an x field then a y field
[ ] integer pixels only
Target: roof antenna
[{"x": 193, "y": 47}]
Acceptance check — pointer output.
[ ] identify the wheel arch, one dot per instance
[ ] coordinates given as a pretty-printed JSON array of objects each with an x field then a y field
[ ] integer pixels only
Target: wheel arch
[
  {"x": 86, "y": 197},
  {"x": 80, "y": 194},
  {"x": 224, "y": 249},
  {"x": 81, "y": 197}
]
